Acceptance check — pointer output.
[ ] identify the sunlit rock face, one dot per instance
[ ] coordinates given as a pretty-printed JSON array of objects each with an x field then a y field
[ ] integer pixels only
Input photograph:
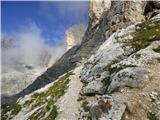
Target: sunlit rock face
[
  {"x": 97, "y": 8},
  {"x": 117, "y": 11},
  {"x": 74, "y": 35}
]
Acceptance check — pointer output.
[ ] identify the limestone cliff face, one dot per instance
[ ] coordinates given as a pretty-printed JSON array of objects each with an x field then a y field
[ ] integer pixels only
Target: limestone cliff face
[
  {"x": 74, "y": 35},
  {"x": 96, "y": 9},
  {"x": 119, "y": 56},
  {"x": 123, "y": 66}
]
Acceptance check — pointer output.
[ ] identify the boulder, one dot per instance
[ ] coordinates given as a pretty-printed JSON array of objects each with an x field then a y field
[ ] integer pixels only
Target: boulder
[{"x": 130, "y": 77}]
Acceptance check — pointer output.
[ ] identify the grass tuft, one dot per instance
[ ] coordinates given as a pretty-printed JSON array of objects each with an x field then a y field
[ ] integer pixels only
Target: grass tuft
[
  {"x": 85, "y": 106},
  {"x": 148, "y": 32},
  {"x": 47, "y": 99},
  {"x": 13, "y": 109},
  {"x": 44, "y": 101}
]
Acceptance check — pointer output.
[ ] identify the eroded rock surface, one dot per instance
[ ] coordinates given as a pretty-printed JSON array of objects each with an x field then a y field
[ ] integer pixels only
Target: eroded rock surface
[{"x": 123, "y": 68}]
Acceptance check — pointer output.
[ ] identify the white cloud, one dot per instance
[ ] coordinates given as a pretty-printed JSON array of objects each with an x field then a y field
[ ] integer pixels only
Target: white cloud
[{"x": 30, "y": 48}]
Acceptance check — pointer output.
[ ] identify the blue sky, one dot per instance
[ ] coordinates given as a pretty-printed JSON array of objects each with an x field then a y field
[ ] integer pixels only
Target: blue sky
[{"x": 52, "y": 18}]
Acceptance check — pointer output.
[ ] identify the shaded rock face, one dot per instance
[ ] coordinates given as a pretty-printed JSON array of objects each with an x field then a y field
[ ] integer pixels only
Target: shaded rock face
[
  {"x": 152, "y": 8},
  {"x": 111, "y": 15},
  {"x": 74, "y": 35}
]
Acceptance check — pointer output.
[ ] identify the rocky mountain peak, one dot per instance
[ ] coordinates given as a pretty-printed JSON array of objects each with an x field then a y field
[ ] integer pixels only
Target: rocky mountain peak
[
  {"x": 124, "y": 10},
  {"x": 97, "y": 8},
  {"x": 74, "y": 35},
  {"x": 108, "y": 16}
]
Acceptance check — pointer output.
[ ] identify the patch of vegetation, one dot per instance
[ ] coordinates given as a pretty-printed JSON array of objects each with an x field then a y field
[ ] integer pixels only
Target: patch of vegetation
[
  {"x": 13, "y": 109},
  {"x": 137, "y": 56},
  {"x": 108, "y": 67},
  {"x": 157, "y": 49},
  {"x": 106, "y": 81},
  {"x": 48, "y": 98},
  {"x": 41, "y": 113},
  {"x": 85, "y": 106},
  {"x": 119, "y": 67},
  {"x": 148, "y": 31},
  {"x": 151, "y": 116},
  {"x": 28, "y": 102},
  {"x": 53, "y": 113},
  {"x": 42, "y": 101}
]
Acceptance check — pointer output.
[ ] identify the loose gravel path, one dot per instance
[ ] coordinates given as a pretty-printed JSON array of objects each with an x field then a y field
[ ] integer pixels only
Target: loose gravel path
[{"x": 68, "y": 104}]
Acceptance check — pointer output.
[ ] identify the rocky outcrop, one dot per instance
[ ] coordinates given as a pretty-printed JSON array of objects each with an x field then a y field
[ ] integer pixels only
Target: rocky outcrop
[
  {"x": 123, "y": 63},
  {"x": 96, "y": 9},
  {"x": 109, "y": 53},
  {"x": 74, "y": 35},
  {"x": 106, "y": 105},
  {"x": 104, "y": 64}
]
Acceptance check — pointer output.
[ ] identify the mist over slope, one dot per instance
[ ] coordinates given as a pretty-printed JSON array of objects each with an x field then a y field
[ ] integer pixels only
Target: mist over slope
[
  {"x": 25, "y": 56},
  {"x": 28, "y": 47}
]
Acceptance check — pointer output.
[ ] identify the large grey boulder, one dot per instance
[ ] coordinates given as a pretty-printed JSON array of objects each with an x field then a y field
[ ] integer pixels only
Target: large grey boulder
[
  {"x": 94, "y": 87},
  {"x": 110, "y": 52},
  {"x": 130, "y": 77},
  {"x": 107, "y": 109}
]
